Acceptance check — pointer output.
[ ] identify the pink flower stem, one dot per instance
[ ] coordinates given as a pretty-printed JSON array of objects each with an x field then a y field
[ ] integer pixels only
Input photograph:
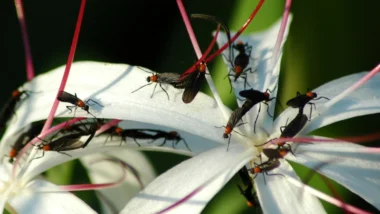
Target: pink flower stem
[
  {"x": 355, "y": 139},
  {"x": 205, "y": 54},
  {"x": 36, "y": 139},
  {"x": 107, "y": 126},
  {"x": 245, "y": 25},
  {"x": 24, "y": 33},
  {"x": 359, "y": 83},
  {"x": 280, "y": 36},
  {"x": 70, "y": 59},
  {"x": 82, "y": 187},
  {"x": 326, "y": 197}
]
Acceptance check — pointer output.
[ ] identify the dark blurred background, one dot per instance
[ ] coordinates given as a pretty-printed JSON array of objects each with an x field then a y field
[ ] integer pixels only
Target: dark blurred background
[{"x": 327, "y": 40}]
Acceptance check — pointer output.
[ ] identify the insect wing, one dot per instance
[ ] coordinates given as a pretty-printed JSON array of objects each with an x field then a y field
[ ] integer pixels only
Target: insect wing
[
  {"x": 253, "y": 95},
  {"x": 194, "y": 86},
  {"x": 63, "y": 96},
  {"x": 295, "y": 126}
]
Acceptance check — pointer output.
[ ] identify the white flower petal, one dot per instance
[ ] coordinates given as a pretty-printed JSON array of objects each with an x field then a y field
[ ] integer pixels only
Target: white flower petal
[
  {"x": 184, "y": 178},
  {"x": 357, "y": 170},
  {"x": 107, "y": 171},
  {"x": 278, "y": 196},
  {"x": 30, "y": 202},
  {"x": 365, "y": 100},
  {"x": 262, "y": 44},
  {"x": 111, "y": 85}
]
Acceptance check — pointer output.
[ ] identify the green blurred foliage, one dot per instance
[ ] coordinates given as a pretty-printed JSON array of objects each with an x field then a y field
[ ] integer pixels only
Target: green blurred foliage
[{"x": 327, "y": 40}]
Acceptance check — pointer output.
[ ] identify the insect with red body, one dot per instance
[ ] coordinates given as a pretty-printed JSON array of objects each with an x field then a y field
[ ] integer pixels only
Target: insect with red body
[
  {"x": 32, "y": 131},
  {"x": 254, "y": 97},
  {"x": 64, "y": 96},
  {"x": 290, "y": 130},
  {"x": 9, "y": 107},
  {"x": 161, "y": 78},
  {"x": 302, "y": 99}
]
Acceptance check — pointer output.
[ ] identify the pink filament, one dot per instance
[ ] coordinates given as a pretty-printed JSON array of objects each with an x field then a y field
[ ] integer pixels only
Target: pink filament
[
  {"x": 82, "y": 187},
  {"x": 280, "y": 36},
  {"x": 74, "y": 43},
  {"x": 107, "y": 126},
  {"x": 24, "y": 33},
  {"x": 193, "y": 39},
  {"x": 205, "y": 54}
]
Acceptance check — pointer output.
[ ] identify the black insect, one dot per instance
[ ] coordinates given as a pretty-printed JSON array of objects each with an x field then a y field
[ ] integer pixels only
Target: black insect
[
  {"x": 192, "y": 83},
  {"x": 232, "y": 122},
  {"x": 265, "y": 168},
  {"x": 302, "y": 99},
  {"x": 161, "y": 78},
  {"x": 172, "y": 135},
  {"x": 240, "y": 63},
  {"x": 132, "y": 133},
  {"x": 71, "y": 141},
  {"x": 64, "y": 96},
  {"x": 251, "y": 198},
  {"x": 290, "y": 130},
  {"x": 9, "y": 108},
  {"x": 254, "y": 97},
  {"x": 278, "y": 153},
  {"x": 26, "y": 136}
]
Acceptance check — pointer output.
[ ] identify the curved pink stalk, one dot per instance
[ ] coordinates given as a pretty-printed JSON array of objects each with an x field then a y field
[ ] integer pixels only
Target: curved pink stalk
[
  {"x": 82, "y": 187},
  {"x": 280, "y": 36},
  {"x": 187, "y": 22},
  {"x": 205, "y": 54},
  {"x": 326, "y": 197},
  {"x": 353, "y": 87},
  {"x": 24, "y": 33},
  {"x": 245, "y": 25},
  {"x": 354, "y": 139},
  {"x": 107, "y": 126},
  {"x": 36, "y": 139},
  {"x": 70, "y": 59}
]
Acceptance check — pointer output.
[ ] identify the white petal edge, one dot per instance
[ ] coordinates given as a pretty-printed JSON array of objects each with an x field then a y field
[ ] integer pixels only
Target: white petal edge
[
  {"x": 111, "y": 85},
  {"x": 279, "y": 196},
  {"x": 182, "y": 179},
  {"x": 107, "y": 171},
  {"x": 351, "y": 166},
  {"x": 262, "y": 44},
  {"x": 365, "y": 100}
]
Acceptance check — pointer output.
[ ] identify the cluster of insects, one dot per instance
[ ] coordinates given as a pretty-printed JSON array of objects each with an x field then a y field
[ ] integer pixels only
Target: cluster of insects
[
  {"x": 240, "y": 68},
  {"x": 68, "y": 138}
]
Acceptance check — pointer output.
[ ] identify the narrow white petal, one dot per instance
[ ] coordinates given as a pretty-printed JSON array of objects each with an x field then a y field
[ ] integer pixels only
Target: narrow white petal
[
  {"x": 278, "y": 195},
  {"x": 107, "y": 171},
  {"x": 365, "y": 100},
  {"x": 262, "y": 44},
  {"x": 30, "y": 202},
  {"x": 182, "y": 179},
  {"x": 111, "y": 85},
  {"x": 347, "y": 164}
]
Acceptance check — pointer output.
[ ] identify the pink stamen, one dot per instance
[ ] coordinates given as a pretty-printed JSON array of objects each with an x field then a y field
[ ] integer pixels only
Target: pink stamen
[
  {"x": 280, "y": 36},
  {"x": 326, "y": 181},
  {"x": 354, "y": 86},
  {"x": 37, "y": 139},
  {"x": 24, "y": 33},
  {"x": 195, "y": 43},
  {"x": 205, "y": 54},
  {"x": 238, "y": 33},
  {"x": 355, "y": 139},
  {"x": 182, "y": 200},
  {"x": 70, "y": 59},
  {"x": 107, "y": 126},
  {"x": 82, "y": 187},
  {"x": 327, "y": 198}
]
